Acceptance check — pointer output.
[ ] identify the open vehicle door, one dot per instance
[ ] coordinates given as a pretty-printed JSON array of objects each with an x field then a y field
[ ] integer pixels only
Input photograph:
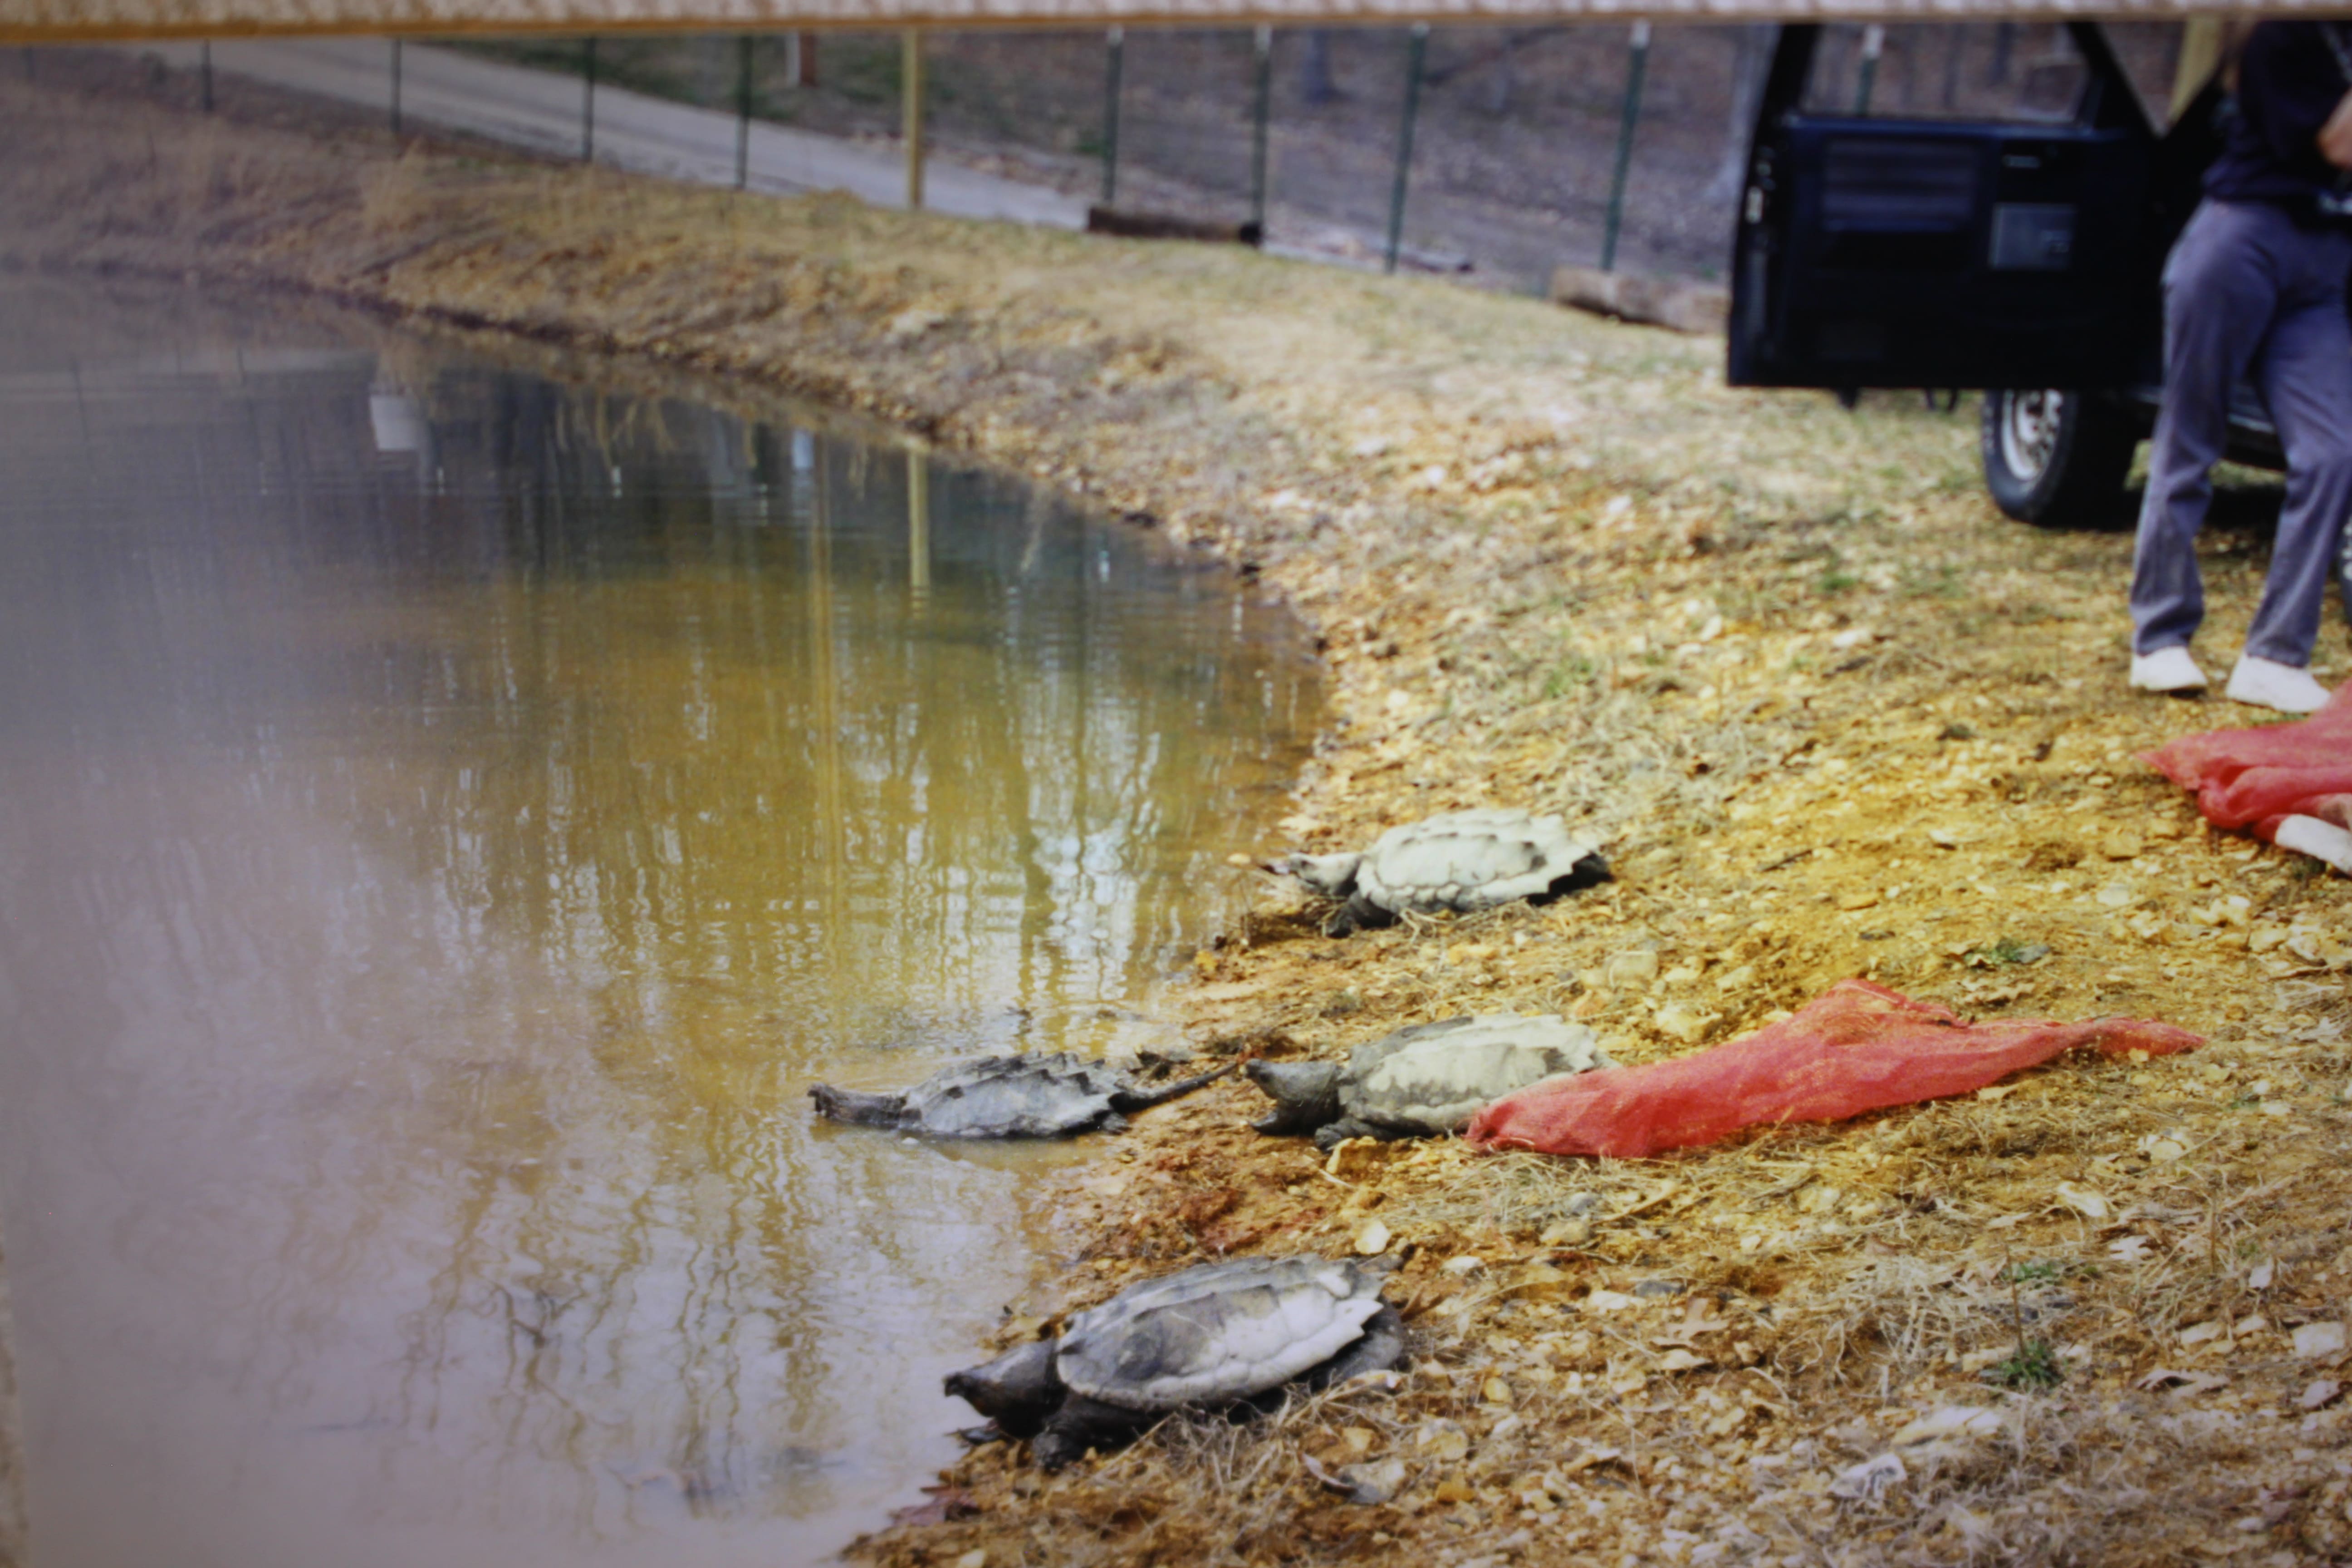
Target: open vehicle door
[{"x": 1918, "y": 252}]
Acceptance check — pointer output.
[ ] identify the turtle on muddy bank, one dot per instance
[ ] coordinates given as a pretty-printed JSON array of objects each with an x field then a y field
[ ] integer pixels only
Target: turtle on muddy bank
[
  {"x": 1425, "y": 1080},
  {"x": 1464, "y": 861},
  {"x": 1035, "y": 1094},
  {"x": 1204, "y": 1338}
]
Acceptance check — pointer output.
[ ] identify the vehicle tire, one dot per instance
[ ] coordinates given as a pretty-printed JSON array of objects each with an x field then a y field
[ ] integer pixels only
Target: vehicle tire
[{"x": 2057, "y": 459}]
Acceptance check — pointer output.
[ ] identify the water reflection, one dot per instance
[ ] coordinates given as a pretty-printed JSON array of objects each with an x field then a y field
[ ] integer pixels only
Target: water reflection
[{"x": 447, "y": 819}]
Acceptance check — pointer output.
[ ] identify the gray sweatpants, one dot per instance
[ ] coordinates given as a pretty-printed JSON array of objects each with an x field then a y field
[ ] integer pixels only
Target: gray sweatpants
[{"x": 2249, "y": 295}]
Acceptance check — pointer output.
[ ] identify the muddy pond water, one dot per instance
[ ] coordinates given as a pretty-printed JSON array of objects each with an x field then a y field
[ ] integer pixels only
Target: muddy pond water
[{"x": 449, "y": 816}]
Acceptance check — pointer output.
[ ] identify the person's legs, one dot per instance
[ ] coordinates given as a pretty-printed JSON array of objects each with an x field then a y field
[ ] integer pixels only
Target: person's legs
[
  {"x": 2304, "y": 373},
  {"x": 2218, "y": 292}
]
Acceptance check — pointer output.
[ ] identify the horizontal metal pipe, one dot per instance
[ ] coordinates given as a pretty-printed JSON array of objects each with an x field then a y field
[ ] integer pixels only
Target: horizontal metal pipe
[{"x": 95, "y": 21}]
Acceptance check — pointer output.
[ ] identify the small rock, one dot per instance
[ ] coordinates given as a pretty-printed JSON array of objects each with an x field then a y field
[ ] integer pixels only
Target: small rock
[
  {"x": 1655, "y": 1288},
  {"x": 1372, "y": 1239},
  {"x": 2122, "y": 844},
  {"x": 912, "y": 322},
  {"x": 2319, "y": 1395},
  {"x": 1949, "y": 1422},
  {"x": 975, "y": 1558},
  {"x": 1633, "y": 970},
  {"x": 1495, "y": 1391},
  {"x": 2319, "y": 1341},
  {"x": 1684, "y": 1023},
  {"x": 2084, "y": 1201},
  {"x": 1443, "y": 1440},
  {"x": 1868, "y": 1481},
  {"x": 1373, "y": 1483},
  {"x": 1459, "y": 1266},
  {"x": 2182, "y": 1382},
  {"x": 1863, "y": 899},
  {"x": 1566, "y": 1233}
]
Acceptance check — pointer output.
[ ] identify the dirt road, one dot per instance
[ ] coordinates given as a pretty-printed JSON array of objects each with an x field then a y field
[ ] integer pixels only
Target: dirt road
[
  {"x": 1830, "y": 716},
  {"x": 540, "y": 112}
]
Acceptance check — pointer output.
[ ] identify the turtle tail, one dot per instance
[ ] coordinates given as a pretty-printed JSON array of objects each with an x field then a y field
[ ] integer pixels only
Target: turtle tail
[{"x": 1132, "y": 1099}]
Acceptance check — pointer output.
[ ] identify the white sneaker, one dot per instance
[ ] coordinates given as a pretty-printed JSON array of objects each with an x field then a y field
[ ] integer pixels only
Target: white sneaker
[
  {"x": 2266, "y": 683},
  {"x": 2168, "y": 669}
]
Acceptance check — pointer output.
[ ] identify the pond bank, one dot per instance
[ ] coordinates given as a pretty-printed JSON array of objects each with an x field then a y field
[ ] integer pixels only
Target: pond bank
[{"x": 1830, "y": 716}]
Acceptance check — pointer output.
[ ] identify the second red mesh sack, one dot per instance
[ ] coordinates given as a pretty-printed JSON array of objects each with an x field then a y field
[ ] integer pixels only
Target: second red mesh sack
[
  {"x": 2258, "y": 777},
  {"x": 1856, "y": 1048}
]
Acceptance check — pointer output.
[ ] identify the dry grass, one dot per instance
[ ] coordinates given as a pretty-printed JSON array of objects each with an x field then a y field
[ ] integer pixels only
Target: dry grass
[{"x": 1832, "y": 717}]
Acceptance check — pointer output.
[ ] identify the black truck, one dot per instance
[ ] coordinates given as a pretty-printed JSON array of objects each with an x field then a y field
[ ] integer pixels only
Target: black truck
[{"x": 2017, "y": 256}]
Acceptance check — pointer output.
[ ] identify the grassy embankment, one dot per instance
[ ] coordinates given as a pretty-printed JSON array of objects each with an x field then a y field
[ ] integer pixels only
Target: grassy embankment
[{"x": 1831, "y": 715}]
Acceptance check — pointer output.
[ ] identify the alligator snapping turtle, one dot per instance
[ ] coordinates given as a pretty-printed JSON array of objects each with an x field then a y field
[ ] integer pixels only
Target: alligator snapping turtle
[
  {"x": 1204, "y": 1338},
  {"x": 1459, "y": 860},
  {"x": 1422, "y": 1080},
  {"x": 1035, "y": 1094}
]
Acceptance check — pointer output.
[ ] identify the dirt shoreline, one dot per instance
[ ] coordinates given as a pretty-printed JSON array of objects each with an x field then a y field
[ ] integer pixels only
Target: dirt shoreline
[{"x": 1829, "y": 715}]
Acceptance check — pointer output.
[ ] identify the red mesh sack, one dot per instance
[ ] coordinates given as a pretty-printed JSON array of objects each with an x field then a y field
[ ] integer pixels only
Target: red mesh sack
[
  {"x": 1856, "y": 1048},
  {"x": 2256, "y": 778}
]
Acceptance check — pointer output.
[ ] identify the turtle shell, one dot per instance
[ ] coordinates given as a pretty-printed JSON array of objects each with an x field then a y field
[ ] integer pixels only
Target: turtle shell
[
  {"x": 1433, "y": 1077},
  {"x": 1218, "y": 1332},
  {"x": 1469, "y": 861},
  {"x": 1033, "y": 1095}
]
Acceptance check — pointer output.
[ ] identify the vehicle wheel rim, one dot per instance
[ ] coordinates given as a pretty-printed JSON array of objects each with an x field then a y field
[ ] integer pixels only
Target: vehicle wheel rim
[{"x": 2028, "y": 430}]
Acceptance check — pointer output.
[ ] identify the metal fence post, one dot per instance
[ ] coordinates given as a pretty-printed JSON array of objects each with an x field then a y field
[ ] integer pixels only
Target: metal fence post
[
  {"x": 1114, "y": 64},
  {"x": 588, "y": 102},
  {"x": 1260, "y": 112},
  {"x": 910, "y": 94},
  {"x": 1416, "y": 50},
  {"x": 395, "y": 87},
  {"x": 208, "y": 75},
  {"x": 1637, "y": 64},
  {"x": 1874, "y": 44},
  {"x": 743, "y": 112}
]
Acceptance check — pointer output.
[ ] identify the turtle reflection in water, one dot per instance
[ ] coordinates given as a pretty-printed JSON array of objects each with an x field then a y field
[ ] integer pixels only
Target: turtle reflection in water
[
  {"x": 1205, "y": 1338},
  {"x": 1425, "y": 1080},
  {"x": 1035, "y": 1094},
  {"x": 1462, "y": 860}
]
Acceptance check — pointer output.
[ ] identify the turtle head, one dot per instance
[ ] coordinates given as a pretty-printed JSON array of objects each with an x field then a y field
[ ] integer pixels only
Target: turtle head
[
  {"x": 1017, "y": 1390},
  {"x": 849, "y": 1105},
  {"x": 1306, "y": 1095},
  {"x": 1333, "y": 876}
]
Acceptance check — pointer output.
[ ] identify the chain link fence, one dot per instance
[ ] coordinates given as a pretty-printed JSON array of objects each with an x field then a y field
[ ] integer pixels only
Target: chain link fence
[{"x": 1522, "y": 148}]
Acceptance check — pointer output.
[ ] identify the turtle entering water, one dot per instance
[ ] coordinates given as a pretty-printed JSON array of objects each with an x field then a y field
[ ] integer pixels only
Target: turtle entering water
[
  {"x": 1203, "y": 1338},
  {"x": 1424, "y": 1080},
  {"x": 1460, "y": 860},
  {"x": 1035, "y": 1094}
]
